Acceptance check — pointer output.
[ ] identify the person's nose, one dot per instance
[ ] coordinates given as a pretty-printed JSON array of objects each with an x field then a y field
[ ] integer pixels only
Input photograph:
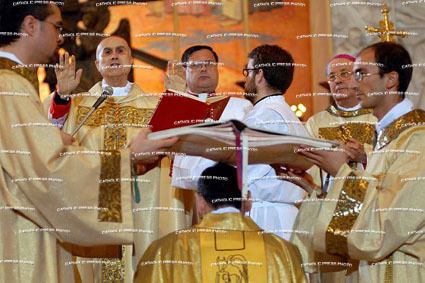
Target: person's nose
[{"x": 61, "y": 40}]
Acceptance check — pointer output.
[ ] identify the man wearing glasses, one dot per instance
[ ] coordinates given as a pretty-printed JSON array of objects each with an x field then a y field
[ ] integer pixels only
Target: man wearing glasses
[
  {"x": 376, "y": 224},
  {"x": 201, "y": 75},
  {"x": 269, "y": 74},
  {"x": 48, "y": 191},
  {"x": 344, "y": 121}
]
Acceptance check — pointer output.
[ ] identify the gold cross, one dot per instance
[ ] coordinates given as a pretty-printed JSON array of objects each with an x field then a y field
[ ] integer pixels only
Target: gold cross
[{"x": 386, "y": 28}]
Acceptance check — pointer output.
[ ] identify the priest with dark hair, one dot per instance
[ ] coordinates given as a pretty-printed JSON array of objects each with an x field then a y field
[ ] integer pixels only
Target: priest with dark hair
[{"x": 225, "y": 246}]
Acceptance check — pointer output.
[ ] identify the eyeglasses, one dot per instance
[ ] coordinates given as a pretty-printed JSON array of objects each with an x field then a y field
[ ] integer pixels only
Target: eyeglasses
[
  {"x": 245, "y": 71},
  {"x": 197, "y": 65},
  {"x": 344, "y": 75},
  {"x": 359, "y": 75},
  {"x": 58, "y": 28}
]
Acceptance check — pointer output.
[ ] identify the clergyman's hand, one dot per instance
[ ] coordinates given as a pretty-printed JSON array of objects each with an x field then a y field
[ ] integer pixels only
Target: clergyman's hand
[
  {"x": 355, "y": 151},
  {"x": 298, "y": 177},
  {"x": 67, "y": 138},
  {"x": 329, "y": 160},
  {"x": 149, "y": 151},
  {"x": 67, "y": 78}
]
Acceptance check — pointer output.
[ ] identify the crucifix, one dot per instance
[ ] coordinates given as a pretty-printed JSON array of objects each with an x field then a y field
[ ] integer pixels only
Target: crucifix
[{"x": 386, "y": 30}]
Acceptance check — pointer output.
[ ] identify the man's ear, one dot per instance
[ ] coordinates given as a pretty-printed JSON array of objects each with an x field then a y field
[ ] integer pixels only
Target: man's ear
[
  {"x": 97, "y": 65},
  {"x": 202, "y": 206},
  {"x": 30, "y": 25},
  {"x": 259, "y": 76},
  {"x": 392, "y": 80}
]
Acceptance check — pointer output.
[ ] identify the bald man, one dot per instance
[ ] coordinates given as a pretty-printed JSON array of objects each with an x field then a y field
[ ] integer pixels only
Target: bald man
[{"x": 111, "y": 127}]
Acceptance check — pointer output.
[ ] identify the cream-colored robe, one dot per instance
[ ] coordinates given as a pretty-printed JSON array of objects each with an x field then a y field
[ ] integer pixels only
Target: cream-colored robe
[
  {"x": 46, "y": 195},
  {"x": 376, "y": 216},
  {"x": 215, "y": 251},
  {"x": 113, "y": 126},
  {"x": 338, "y": 125}
]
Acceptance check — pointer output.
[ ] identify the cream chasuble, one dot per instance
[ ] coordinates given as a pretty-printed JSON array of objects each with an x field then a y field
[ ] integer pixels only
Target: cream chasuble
[
  {"x": 373, "y": 221},
  {"x": 338, "y": 125},
  {"x": 111, "y": 127},
  {"x": 45, "y": 195},
  {"x": 224, "y": 247}
]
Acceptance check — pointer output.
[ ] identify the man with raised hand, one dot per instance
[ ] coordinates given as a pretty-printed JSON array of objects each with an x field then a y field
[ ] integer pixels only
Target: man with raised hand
[{"x": 111, "y": 127}]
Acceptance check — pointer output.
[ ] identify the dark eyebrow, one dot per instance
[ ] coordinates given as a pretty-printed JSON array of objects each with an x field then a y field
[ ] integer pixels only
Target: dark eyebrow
[{"x": 359, "y": 69}]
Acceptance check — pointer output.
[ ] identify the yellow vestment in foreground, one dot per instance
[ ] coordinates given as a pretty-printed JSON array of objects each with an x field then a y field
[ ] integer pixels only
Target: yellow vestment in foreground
[
  {"x": 225, "y": 247},
  {"x": 112, "y": 127}
]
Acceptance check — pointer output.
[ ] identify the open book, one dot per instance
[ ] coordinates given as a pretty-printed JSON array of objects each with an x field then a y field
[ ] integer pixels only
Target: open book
[
  {"x": 177, "y": 109},
  {"x": 219, "y": 141}
]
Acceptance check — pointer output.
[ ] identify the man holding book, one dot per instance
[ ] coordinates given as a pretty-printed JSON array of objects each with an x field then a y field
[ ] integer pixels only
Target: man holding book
[
  {"x": 225, "y": 247},
  {"x": 201, "y": 73},
  {"x": 372, "y": 220},
  {"x": 269, "y": 73}
]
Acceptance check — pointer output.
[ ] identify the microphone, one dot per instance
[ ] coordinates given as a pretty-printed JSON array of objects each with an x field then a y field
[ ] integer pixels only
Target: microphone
[{"x": 107, "y": 91}]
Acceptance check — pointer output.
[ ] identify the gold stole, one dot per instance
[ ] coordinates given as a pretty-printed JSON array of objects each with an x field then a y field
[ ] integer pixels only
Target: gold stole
[
  {"x": 363, "y": 132},
  {"x": 29, "y": 74},
  {"x": 352, "y": 195},
  {"x": 115, "y": 118},
  {"x": 233, "y": 256}
]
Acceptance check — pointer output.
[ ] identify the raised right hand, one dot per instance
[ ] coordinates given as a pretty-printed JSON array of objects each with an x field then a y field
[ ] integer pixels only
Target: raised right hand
[{"x": 67, "y": 78}]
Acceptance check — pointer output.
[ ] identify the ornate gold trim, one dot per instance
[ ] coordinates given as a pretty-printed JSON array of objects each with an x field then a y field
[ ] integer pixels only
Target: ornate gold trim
[
  {"x": 363, "y": 132},
  {"x": 110, "y": 188},
  {"x": 341, "y": 113},
  {"x": 346, "y": 212},
  {"x": 112, "y": 114},
  {"x": 30, "y": 75},
  {"x": 392, "y": 131},
  {"x": 388, "y": 277}
]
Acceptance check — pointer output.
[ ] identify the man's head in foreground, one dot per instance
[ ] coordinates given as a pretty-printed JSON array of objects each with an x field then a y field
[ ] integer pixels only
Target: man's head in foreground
[
  {"x": 114, "y": 60},
  {"x": 218, "y": 188},
  {"x": 31, "y": 32},
  {"x": 270, "y": 70},
  {"x": 200, "y": 64},
  {"x": 383, "y": 72}
]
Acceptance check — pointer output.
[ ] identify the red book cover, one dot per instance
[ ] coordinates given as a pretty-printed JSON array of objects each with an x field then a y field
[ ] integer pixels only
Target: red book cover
[{"x": 177, "y": 109}]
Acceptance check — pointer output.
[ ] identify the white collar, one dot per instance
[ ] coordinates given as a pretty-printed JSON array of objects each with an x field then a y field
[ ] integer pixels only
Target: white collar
[
  {"x": 227, "y": 209},
  {"x": 119, "y": 91},
  {"x": 10, "y": 56},
  {"x": 274, "y": 97},
  {"x": 357, "y": 107},
  {"x": 396, "y": 112}
]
